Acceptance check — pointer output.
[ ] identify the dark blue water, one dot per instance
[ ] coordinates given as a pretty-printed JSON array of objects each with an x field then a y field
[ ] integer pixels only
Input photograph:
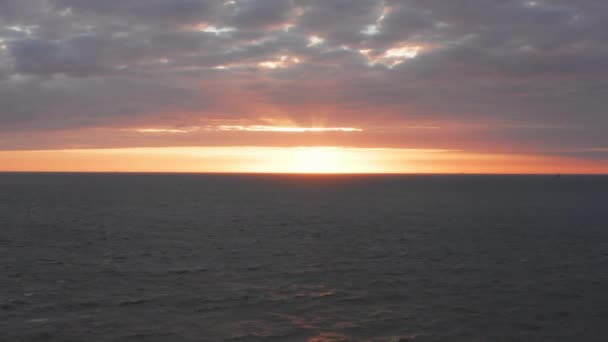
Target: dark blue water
[{"x": 132, "y": 257}]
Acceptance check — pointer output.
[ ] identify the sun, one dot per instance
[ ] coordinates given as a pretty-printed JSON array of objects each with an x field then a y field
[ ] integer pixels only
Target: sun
[{"x": 317, "y": 160}]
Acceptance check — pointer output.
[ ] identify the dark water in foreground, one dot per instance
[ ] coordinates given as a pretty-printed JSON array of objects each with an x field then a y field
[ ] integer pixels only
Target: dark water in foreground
[{"x": 116, "y": 257}]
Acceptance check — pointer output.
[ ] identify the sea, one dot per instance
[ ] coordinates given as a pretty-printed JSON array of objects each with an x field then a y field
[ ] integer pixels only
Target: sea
[{"x": 255, "y": 257}]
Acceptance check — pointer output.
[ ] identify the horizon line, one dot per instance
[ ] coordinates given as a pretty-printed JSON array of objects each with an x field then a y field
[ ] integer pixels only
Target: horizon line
[{"x": 308, "y": 173}]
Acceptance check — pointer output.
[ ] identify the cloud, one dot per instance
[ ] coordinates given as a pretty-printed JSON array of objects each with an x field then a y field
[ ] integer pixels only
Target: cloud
[
  {"x": 256, "y": 14},
  {"x": 502, "y": 72},
  {"x": 150, "y": 12}
]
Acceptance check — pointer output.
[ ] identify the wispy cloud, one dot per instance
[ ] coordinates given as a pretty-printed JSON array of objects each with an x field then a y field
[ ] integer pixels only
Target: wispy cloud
[
  {"x": 165, "y": 130},
  {"x": 263, "y": 128}
]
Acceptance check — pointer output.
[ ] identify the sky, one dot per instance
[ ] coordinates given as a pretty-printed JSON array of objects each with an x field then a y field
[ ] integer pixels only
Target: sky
[{"x": 479, "y": 86}]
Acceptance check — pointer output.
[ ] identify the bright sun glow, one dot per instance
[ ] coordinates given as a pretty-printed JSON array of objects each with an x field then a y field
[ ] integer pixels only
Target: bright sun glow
[{"x": 318, "y": 160}]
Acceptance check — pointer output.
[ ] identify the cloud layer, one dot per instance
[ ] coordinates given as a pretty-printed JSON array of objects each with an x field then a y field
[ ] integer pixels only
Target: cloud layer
[{"x": 505, "y": 75}]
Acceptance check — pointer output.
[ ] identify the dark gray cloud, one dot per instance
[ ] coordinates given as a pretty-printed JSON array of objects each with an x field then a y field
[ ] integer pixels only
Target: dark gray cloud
[
  {"x": 339, "y": 21},
  {"x": 152, "y": 12},
  {"x": 519, "y": 75},
  {"x": 253, "y": 14}
]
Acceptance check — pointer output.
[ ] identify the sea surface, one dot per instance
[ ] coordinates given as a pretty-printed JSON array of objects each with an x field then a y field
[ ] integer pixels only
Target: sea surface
[{"x": 195, "y": 257}]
